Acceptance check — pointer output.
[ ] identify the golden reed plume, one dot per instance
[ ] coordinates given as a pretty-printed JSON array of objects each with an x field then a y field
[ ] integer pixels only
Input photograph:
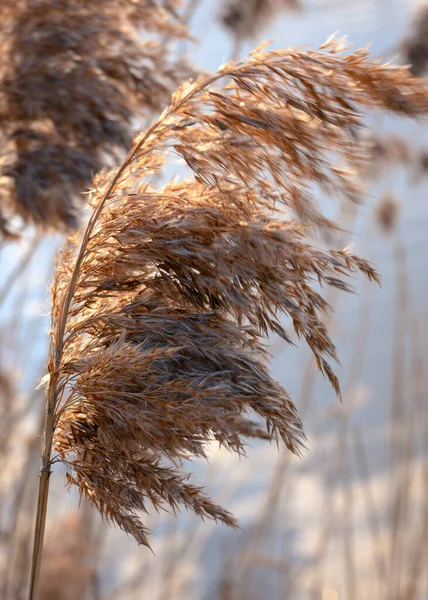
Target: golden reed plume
[{"x": 160, "y": 309}]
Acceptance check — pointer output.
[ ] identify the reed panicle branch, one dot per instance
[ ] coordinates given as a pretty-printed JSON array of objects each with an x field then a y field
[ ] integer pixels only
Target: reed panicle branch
[{"x": 160, "y": 309}]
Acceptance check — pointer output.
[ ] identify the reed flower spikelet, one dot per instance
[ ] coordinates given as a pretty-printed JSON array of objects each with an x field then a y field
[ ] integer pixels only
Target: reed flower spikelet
[{"x": 160, "y": 309}]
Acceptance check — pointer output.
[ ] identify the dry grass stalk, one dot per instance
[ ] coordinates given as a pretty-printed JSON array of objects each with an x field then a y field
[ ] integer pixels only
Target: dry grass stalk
[
  {"x": 18, "y": 538},
  {"x": 248, "y": 18},
  {"x": 159, "y": 310},
  {"x": 7, "y": 393},
  {"x": 20, "y": 269},
  {"x": 74, "y": 77}
]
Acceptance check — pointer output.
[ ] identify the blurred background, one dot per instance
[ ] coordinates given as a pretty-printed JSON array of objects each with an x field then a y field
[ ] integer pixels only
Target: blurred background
[{"x": 349, "y": 520}]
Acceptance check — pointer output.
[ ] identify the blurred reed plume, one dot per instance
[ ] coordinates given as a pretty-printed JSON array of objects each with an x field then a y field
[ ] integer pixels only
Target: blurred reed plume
[
  {"x": 69, "y": 568},
  {"x": 160, "y": 309},
  {"x": 389, "y": 150},
  {"x": 386, "y": 212},
  {"x": 392, "y": 151},
  {"x": 6, "y": 403},
  {"x": 415, "y": 47},
  {"x": 248, "y": 18},
  {"x": 75, "y": 76}
]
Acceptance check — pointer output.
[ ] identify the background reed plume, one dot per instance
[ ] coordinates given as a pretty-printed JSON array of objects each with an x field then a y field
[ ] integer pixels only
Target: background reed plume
[
  {"x": 159, "y": 311},
  {"x": 415, "y": 47},
  {"x": 75, "y": 76},
  {"x": 248, "y": 18}
]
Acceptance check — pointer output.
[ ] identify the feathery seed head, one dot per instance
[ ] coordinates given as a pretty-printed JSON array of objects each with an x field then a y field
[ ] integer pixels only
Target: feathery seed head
[{"x": 159, "y": 311}]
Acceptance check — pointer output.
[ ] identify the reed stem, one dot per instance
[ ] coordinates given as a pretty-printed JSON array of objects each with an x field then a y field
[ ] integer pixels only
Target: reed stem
[{"x": 43, "y": 493}]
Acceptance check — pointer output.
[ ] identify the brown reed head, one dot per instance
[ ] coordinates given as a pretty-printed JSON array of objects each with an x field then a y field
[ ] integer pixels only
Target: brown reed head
[
  {"x": 68, "y": 565},
  {"x": 415, "y": 46},
  {"x": 160, "y": 310},
  {"x": 393, "y": 151},
  {"x": 246, "y": 19},
  {"x": 74, "y": 78}
]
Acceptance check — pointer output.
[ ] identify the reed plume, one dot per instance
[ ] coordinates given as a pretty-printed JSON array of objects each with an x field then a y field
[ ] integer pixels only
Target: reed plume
[
  {"x": 69, "y": 564},
  {"x": 75, "y": 76},
  {"x": 159, "y": 311},
  {"x": 248, "y": 18},
  {"x": 389, "y": 151},
  {"x": 415, "y": 46}
]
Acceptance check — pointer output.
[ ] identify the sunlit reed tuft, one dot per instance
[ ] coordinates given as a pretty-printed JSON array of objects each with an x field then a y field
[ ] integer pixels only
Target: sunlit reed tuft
[{"x": 160, "y": 309}]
